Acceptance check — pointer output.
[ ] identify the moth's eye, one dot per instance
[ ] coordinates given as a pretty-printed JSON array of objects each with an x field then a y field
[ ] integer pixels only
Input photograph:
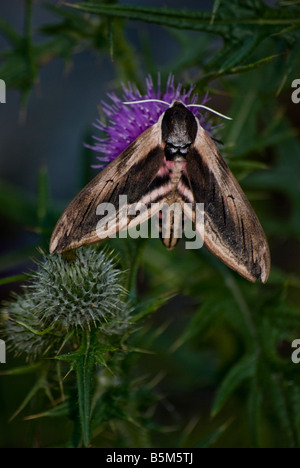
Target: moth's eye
[
  {"x": 172, "y": 148},
  {"x": 184, "y": 149}
]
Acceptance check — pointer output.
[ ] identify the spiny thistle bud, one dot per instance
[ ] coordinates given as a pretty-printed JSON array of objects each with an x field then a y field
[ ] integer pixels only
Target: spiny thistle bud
[{"x": 64, "y": 297}]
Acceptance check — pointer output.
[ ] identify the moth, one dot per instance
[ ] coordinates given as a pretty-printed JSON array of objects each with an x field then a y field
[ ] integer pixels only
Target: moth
[{"x": 174, "y": 160}]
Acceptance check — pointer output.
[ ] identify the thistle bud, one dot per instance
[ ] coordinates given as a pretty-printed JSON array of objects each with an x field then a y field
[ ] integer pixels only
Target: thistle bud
[{"x": 64, "y": 297}]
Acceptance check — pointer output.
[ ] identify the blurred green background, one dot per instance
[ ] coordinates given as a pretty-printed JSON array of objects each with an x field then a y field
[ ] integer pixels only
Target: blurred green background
[{"x": 214, "y": 365}]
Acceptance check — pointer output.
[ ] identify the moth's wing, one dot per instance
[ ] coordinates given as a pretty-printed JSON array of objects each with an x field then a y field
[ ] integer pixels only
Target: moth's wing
[
  {"x": 129, "y": 174},
  {"x": 232, "y": 231},
  {"x": 152, "y": 198}
]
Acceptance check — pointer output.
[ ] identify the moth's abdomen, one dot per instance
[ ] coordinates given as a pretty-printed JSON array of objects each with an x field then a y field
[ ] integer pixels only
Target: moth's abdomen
[
  {"x": 171, "y": 213},
  {"x": 171, "y": 224}
]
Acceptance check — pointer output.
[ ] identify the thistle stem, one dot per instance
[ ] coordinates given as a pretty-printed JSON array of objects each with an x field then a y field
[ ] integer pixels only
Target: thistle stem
[{"x": 83, "y": 366}]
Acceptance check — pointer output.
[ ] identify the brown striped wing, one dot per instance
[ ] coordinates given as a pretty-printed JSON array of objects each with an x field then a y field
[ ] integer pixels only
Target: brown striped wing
[
  {"x": 232, "y": 231},
  {"x": 129, "y": 174}
]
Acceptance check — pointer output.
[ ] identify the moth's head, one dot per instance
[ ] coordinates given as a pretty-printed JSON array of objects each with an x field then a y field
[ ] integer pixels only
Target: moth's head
[{"x": 179, "y": 129}]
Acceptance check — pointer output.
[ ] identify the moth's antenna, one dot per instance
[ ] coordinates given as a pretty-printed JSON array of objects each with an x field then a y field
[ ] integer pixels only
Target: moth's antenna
[
  {"x": 147, "y": 100},
  {"x": 168, "y": 104},
  {"x": 211, "y": 110}
]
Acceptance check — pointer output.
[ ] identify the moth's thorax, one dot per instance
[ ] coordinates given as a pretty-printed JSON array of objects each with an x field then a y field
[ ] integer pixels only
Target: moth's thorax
[{"x": 179, "y": 130}]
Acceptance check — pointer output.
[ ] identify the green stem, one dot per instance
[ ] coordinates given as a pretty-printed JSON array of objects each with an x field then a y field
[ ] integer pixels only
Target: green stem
[
  {"x": 83, "y": 361},
  {"x": 83, "y": 367}
]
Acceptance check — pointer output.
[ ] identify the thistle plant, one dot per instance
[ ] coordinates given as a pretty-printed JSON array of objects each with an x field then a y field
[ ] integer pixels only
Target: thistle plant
[{"x": 69, "y": 311}]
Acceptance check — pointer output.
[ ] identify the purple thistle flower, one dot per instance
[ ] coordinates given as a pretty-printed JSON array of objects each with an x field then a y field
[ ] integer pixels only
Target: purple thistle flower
[{"x": 125, "y": 123}]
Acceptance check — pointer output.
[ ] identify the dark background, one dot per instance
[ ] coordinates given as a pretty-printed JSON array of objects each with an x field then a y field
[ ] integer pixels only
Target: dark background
[{"x": 50, "y": 134}]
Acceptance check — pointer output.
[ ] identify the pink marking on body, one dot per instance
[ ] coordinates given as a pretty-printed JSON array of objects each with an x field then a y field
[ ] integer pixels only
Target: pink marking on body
[
  {"x": 163, "y": 170},
  {"x": 168, "y": 166}
]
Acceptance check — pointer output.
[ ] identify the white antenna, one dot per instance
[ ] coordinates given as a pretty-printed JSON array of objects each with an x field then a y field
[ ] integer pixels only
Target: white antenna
[
  {"x": 147, "y": 100},
  {"x": 187, "y": 105},
  {"x": 211, "y": 110}
]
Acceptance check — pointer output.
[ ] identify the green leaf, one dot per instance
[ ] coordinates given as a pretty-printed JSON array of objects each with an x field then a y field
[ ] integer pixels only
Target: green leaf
[
  {"x": 250, "y": 66},
  {"x": 182, "y": 19},
  {"x": 283, "y": 177},
  {"x": 10, "y": 33},
  {"x": 206, "y": 315},
  {"x": 146, "y": 307},
  {"x": 13, "y": 279},
  {"x": 243, "y": 370},
  {"x": 278, "y": 405},
  {"x": 241, "y": 52},
  {"x": 216, "y": 6},
  {"x": 282, "y": 312},
  {"x": 62, "y": 409},
  {"x": 254, "y": 413},
  {"x": 41, "y": 384},
  {"x": 213, "y": 437},
  {"x": 22, "y": 370}
]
